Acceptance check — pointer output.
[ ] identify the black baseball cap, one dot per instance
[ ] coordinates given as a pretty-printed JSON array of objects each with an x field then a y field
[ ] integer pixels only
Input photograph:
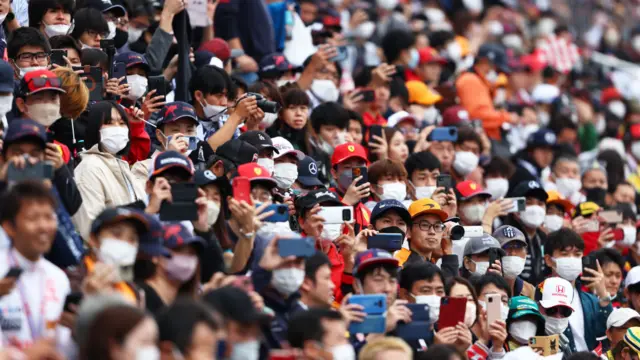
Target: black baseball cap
[
  {"x": 235, "y": 304},
  {"x": 530, "y": 188},
  {"x": 321, "y": 196},
  {"x": 110, "y": 216},
  {"x": 151, "y": 242},
  {"x": 496, "y": 54},
  {"x": 6, "y": 77},
  {"x": 132, "y": 58},
  {"x": 388, "y": 205},
  {"x": 104, "y": 6},
  {"x": 274, "y": 65},
  {"x": 308, "y": 172},
  {"x": 206, "y": 177},
  {"x": 238, "y": 152},
  {"x": 259, "y": 139}
]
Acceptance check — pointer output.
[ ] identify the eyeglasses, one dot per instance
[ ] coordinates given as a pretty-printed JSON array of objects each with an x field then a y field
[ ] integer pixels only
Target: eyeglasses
[
  {"x": 426, "y": 226},
  {"x": 261, "y": 195},
  {"x": 564, "y": 311},
  {"x": 514, "y": 245},
  {"x": 27, "y": 56},
  {"x": 94, "y": 34},
  {"x": 117, "y": 20},
  {"x": 43, "y": 81}
]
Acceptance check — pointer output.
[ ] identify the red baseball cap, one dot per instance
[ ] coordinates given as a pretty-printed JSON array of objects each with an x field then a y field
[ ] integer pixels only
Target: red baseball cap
[
  {"x": 255, "y": 172},
  {"x": 430, "y": 55},
  {"x": 347, "y": 151},
  {"x": 455, "y": 116},
  {"x": 40, "y": 80},
  {"x": 217, "y": 47},
  {"x": 468, "y": 189}
]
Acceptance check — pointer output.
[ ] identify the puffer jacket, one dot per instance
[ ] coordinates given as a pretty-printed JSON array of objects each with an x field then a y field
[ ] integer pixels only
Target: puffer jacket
[{"x": 104, "y": 181}]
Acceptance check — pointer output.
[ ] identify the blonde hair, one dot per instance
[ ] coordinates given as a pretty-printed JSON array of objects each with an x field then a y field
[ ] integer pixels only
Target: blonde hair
[
  {"x": 371, "y": 350},
  {"x": 75, "y": 101}
]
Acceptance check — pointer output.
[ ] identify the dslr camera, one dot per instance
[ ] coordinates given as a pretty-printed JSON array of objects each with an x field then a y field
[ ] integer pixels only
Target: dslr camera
[{"x": 264, "y": 104}]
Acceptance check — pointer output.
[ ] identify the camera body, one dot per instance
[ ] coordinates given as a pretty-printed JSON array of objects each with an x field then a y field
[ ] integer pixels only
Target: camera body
[{"x": 264, "y": 104}]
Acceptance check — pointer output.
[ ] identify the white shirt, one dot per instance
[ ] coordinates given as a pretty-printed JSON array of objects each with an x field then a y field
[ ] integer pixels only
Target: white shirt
[
  {"x": 576, "y": 321},
  {"x": 40, "y": 290}
]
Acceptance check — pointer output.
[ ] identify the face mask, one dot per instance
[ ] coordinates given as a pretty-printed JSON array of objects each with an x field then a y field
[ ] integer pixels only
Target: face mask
[
  {"x": 430, "y": 115},
  {"x": 270, "y": 229},
  {"x": 481, "y": 267},
  {"x": 181, "y": 267},
  {"x": 554, "y": 325},
  {"x": 568, "y": 268},
  {"x": 345, "y": 179},
  {"x": 114, "y": 138},
  {"x": 331, "y": 231},
  {"x": 148, "y": 353},
  {"x": 435, "y": 15},
  {"x": 343, "y": 352},
  {"x": 134, "y": 34},
  {"x": 546, "y": 26},
  {"x": 287, "y": 281},
  {"x": 387, "y": 4},
  {"x": 491, "y": 76},
  {"x": 474, "y": 213},
  {"x": 212, "y": 112},
  {"x": 553, "y": 222},
  {"x": 268, "y": 119},
  {"x": 27, "y": 69},
  {"x": 635, "y": 149},
  {"x": 470, "y": 314},
  {"x": 424, "y": 191},
  {"x": 285, "y": 174},
  {"x": 629, "y": 235},
  {"x": 611, "y": 38},
  {"x": 465, "y": 162},
  {"x": 500, "y": 96},
  {"x": 597, "y": 195},
  {"x": 568, "y": 186},
  {"x": 434, "y": 305},
  {"x": 2, "y": 17},
  {"x": 267, "y": 164},
  {"x": 414, "y": 60},
  {"x": 55, "y": 30},
  {"x": 213, "y": 210},
  {"x": 112, "y": 30},
  {"x": 325, "y": 90},
  {"x": 527, "y": 130},
  {"x": 496, "y": 28},
  {"x": 522, "y": 331},
  {"x": 512, "y": 41},
  {"x": 473, "y": 5},
  {"x": 364, "y": 30},
  {"x": 454, "y": 51},
  {"x": 533, "y": 216},
  {"x": 44, "y": 113},
  {"x": 544, "y": 117},
  {"x": 138, "y": 84},
  {"x": 117, "y": 252},
  {"x": 248, "y": 350},
  {"x": 395, "y": 191},
  {"x": 497, "y": 187},
  {"x": 504, "y": 312},
  {"x": 512, "y": 266}
]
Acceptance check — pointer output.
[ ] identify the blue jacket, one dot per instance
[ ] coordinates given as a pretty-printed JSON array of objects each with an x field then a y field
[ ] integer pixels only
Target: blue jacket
[
  {"x": 276, "y": 331},
  {"x": 595, "y": 320}
]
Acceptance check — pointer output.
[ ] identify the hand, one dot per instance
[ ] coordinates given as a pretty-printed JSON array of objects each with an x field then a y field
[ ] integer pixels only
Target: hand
[
  {"x": 243, "y": 213},
  {"x": 446, "y": 244},
  {"x": 379, "y": 146},
  {"x": 463, "y": 340},
  {"x": 178, "y": 143},
  {"x": 496, "y": 268},
  {"x": 362, "y": 239},
  {"x": 151, "y": 104},
  {"x": 355, "y": 193},
  {"x": 596, "y": 281},
  {"x": 580, "y": 225},
  {"x": 446, "y": 336},
  {"x": 495, "y": 209},
  {"x": 256, "y": 300},
  {"x": 135, "y": 114},
  {"x": 321, "y": 57},
  {"x": 246, "y": 107},
  {"x": 172, "y": 7},
  {"x": 315, "y": 223},
  {"x": 114, "y": 87},
  {"x": 172, "y": 68},
  {"x": 271, "y": 259},
  {"x": 201, "y": 224},
  {"x": 19, "y": 162},
  {"x": 6, "y": 285},
  {"x": 397, "y": 312},
  {"x": 253, "y": 122},
  {"x": 605, "y": 236},
  {"x": 53, "y": 153},
  {"x": 68, "y": 318},
  {"x": 353, "y": 100},
  {"x": 44, "y": 348},
  {"x": 261, "y": 215},
  {"x": 246, "y": 64},
  {"x": 100, "y": 280},
  {"x": 358, "y": 17},
  {"x": 514, "y": 118},
  {"x": 347, "y": 245},
  {"x": 218, "y": 280},
  {"x": 422, "y": 144},
  {"x": 451, "y": 204},
  {"x": 161, "y": 191},
  {"x": 381, "y": 75},
  {"x": 292, "y": 208},
  {"x": 351, "y": 312},
  {"x": 498, "y": 334}
]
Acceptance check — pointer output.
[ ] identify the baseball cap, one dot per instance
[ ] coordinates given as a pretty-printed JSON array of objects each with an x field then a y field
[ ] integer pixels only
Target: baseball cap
[
  {"x": 259, "y": 139},
  {"x": 110, "y": 216},
  {"x": 585, "y": 209},
  {"x": 507, "y": 233},
  {"x": 284, "y": 147},
  {"x": 173, "y": 111},
  {"x": 370, "y": 257},
  {"x": 273, "y": 65},
  {"x": 151, "y": 243},
  {"x": 430, "y": 55},
  {"x": 238, "y": 152},
  {"x": 6, "y": 77},
  {"x": 554, "y": 197},
  {"x": 427, "y": 206},
  {"x": 176, "y": 235},
  {"x": 308, "y": 172},
  {"x": 545, "y": 93},
  {"x": 520, "y": 306},
  {"x": 633, "y": 277},
  {"x": 40, "y": 80},
  {"x": 206, "y": 177},
  {"x": 480, "y": 244},
  {"x": 494, "y": 53},
  {"x": 541, "y": 138},
  {"x": 170, "y": 159},
  {"x": 530, "y": 188},
  {"x": 621, "y": 316},
  {"x": 421, "y": 94},
  {"x": 388, "y": 205},
  {"x": 347, "y": 151},
  {"x": 131, "y": 58},
  {"x": 320, "y": 196},
  {"x": 25, "y": 128},
  {"x": 632, "y": 338},
  {"x": 217, "y": 47},
  {"x": 455, "y": 116},
  {"x": 468, "y": 189},
  {"x": 235, "y": 304},
  {"x": 399, "y": 117},
  {"x": 555, "y": 291},
  {"x": 256, "y": 173},
  {"x": 105, "y": 5}
]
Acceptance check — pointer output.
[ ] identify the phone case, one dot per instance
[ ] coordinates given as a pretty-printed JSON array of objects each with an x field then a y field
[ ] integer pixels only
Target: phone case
[
  {"x": 494, "y": 305},
  {"x": 183, "y": 206},
  {"x": 375, "y": 130},
  {"x": 389, "y": 242},
  {"x": 57, "y": 57},
  {"x": 299, "y": 247},
  {"x": 158, "y": 84},
  {"x": 550, "y": 345},
  {"x": 419, "y": 312},
  {"x": 618, "y": 234},
  {"x": 93, "y": 80},
  {"x": 242, "y": 189},
  {"x": 413, "y": 331},
  {"x": 373, "y": 304},
  {"x": 444, "y": 134},
  {"x": 336, "y": 214},
  {"x": 444, "y": 181},
  {"x": 453, "y": 309},
  {"x": 281, "y": 213},
  {"x": 372, "y": 324},
  {"x": 360, "y": 171},
  {"x": 38, "y": 171}
]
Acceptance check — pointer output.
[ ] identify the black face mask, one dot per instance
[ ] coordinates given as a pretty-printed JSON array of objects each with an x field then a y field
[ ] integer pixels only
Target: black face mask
[
  {"x": 120, "y": 39},
  {"x": 393, "y": 230},
  {"x": 596, "y": 195}
]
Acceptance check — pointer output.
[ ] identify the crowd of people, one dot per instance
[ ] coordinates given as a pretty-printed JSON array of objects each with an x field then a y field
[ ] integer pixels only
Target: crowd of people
[{"x": 319, "y": 179}]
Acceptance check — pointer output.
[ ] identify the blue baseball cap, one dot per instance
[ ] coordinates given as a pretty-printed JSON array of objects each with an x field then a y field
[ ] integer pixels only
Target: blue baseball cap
[
  {"x": 308, "y": 172},
  {"x": 170, "y": 159},
  {"x": 110, "y": 216},
  {"x": 173, "y": 111},
  {"x": 370, "y": 257},
  {"x": 6, "y": 77},
  {"x": 387, "y": 205},
  {"x": 541, "y": 138},
  {"x": 25, "y": 128},
  {"x": 151, "y": 243},
  {"x": 176, "y": 235},
  {"x": 131, "y": 58}
]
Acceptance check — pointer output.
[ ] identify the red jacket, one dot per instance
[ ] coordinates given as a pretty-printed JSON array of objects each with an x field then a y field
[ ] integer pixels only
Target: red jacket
[
  {"x": 373, "y": 119},
  {"x": 140, "y": 143}
]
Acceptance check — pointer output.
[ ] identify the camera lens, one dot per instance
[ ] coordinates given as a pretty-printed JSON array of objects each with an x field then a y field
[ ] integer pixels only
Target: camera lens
[
  {"x": 345, "y": 215},
  {"x": 457, "y": 232}
]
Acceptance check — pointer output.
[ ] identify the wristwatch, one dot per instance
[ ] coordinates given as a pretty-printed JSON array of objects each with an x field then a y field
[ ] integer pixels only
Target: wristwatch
[{"x": 608, "y": 298}]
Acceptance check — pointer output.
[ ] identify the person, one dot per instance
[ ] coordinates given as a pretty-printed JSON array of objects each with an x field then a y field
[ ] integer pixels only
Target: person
[
  {"x": 442, "y": 352},
  {"x": 28, "y": 50},
  {"x": 444, "y": 151},
  {"x": 264, "y": 144},
  {"x": 293, "y": 118},
  {"x": 307, "y": 177},
  {"x": 477, "y": 253},
  {"x": 285, "y": 170},
  {"x": 523, "y": 323},
  {"x": 228, "y": 157},
  {"x": 514, "y": 244},
  {"x": 565, "y": 178},
  {"x": 389, "y": 216},
  {"x": 51, "y": 17},
  {"x": 631, "y": 288},
  {"x": 40, "y": 100},
  {"x": 558, "y": 209},
  {"x": 385, "y": 348},
  {"x": 317, "y": 288},
  {"x": 387, "y": 178},
  {"x": 554, "y": 297},
  {"x": 618, "y": 322},
  {"x": 497, "y": 173},
  {"x": 137, "y": 70},
  {"x": 612, "y": 264},
  {"x": 319, "y": 333},
  {"x": 468, "y": 148},
  {"x": 628, "y": 347},
  {"x": 423, "y": 169},
  {"x": 430, "y": 66},
  {"x": 89, "y": 28},
  {"x": 472, "y": 202},
  {"x": 329, "y": 121},
  {"x": 344, "y": 159},
  {"x": 66, "y": 42}
]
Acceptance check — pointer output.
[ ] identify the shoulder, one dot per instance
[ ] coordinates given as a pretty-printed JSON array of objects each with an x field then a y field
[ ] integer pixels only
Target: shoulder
[
  {"x": 468, "y": 78},
  {"x": 56, "y": 273}
]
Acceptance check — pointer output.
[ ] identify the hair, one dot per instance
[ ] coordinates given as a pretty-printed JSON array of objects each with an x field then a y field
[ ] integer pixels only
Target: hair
[
  {"x": 373, "y": 348},
  {"x": 329, "y": 113},
  {"x": 94, "y": 57},
  {"x": 564, "y": 158},
  {"x": 110, "y": 327},
  {"x": 99, "y": 114},
  {"x": 393, "y": 270},
  {"x": 607, "y": 256},
  {"x": 26, "y": 36},
  {"x": 440, "y": 352},
  {"x": 467, "y": 133},
  {"x": 458, "y": 280},
  {"x": 238, "y": 82},
  {"x": 295, "y": 96},
  {"x": 307, "y": 325},
  {"x": 480, "y": 282},
  {"x": 396, "y": 41},
  {"x": 210, "y": 80},
  {"x": 314, "y": 263},
  {"x": 397, "y": 88},
  {"x": 440, "y": 38},
  {"x": 562, "y": 239},
  {"x": 267, "y": 89},
  {"x": 386, "y": 167},
  {"x": 87, "y": 19},
  {"x": 65, "y": 42},
  {"x": 562, "y": 122},
  {"x": 420, "y": 161},
  {"x": 21, "y": 193},
  {"x": 614, "y": 165},
  {"x": 74, "y": 102},
  {"x": 38, "y": 8},
  {"x": 499, "y": 166},
  {"x": 363, "y": 77},
  {"x": 177, "y": 323},
  {"x": 412, "y": 273}
]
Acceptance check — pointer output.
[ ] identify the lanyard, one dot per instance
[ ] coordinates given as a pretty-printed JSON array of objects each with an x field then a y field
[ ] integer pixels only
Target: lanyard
[{"x": 34, "y": 329}]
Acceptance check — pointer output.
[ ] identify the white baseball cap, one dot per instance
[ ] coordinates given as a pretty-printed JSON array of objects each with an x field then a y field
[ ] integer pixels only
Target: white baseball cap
[
  {"x": 545, "y": 93},
  {"x": 621, "y": 316},
  {"x": 556, "y": 292},
  {"x": 400, "y": 116},
  {"x": 284, "y": 147},
  {"x": 633, "y": 277}
]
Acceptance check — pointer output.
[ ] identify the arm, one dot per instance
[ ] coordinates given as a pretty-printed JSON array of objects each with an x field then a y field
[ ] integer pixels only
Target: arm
[
  {"x": 140, "y": 142},
  {"x": 90, "y": 187},
  {"x": 450, "y": 266},
  {"x": 225, "y": 133},
  {"x": 242, "y": 250},
  {"x": 68, "y": 190}
]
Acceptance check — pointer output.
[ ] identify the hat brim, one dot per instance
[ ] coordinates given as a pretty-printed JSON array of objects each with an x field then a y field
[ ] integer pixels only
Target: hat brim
[
  {"x": 270, "y": 182},
  {"x": 520, "y": 313},
  {"x": 141, "y": 223},
  {"x": 139, "y": 63},
  {"x": 197, "y": 242},
  {"x": 402, "y": 212},
  {"x": 7, "y": 88},
  {"x": 299, "y": 154},
  {"x": 566, "y": 204},
  {"x": 350, "y": 156},
  {"x": 479, "y": 193},
  {"x": 429, "y": 99},
  {"x": 537, "y": 193},
  {"x": 171, "y": 166},
  {"x": 621, "y": 322},
  {"x": 435, "y": 60},
  {"x": 548, "y": 304},
  {"x": 437, "y": 212},
  {"x": 309, "y": 181},
  {"x": 48, "y": 88},
  {"x": 24, "y": 137},
  {"x": 271, "y": 147},
  {"x": 153, "y": 250},
  {"x": 163, "y": 121},
  {"x": 116, "y": 7},
  {"x": 375, "y": 261}
]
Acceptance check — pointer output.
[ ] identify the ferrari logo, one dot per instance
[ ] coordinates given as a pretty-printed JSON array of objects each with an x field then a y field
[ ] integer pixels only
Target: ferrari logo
[
  {"x": 473, "y": 186},
  {"x": 257, "y": 170},
  {"x": 351, "y": 148}
]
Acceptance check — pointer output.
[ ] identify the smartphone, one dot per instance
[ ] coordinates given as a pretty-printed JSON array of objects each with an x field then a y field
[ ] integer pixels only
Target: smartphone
[
  {"x": 73, "y": 298},
  {"x": 375, "y": 130},
  {"x": 494, "y": 306},
  {"x": 389, "y": 242},
  {"x": 373, "y": 304},
  {"x": 589, "y": 262},
  {"x": 360, "y": 171},
  {"x": 50, "y": 137},
  {"x": 242, "y": 189},
  {"x": 444, "y": 134},
  {"x": 550, "y": 345},
  {"x": 158, "y": 84},
  {"x": 93, "y": 79},
  {"x": 618, "y": 234},
  {"x": 298, "y": 247},
  {"x": 14, "y": 272},
  {"x": 120, "y": 70},
  {"x": 281, "y": 213},
  {"x": 191, "y": 140},
  {"x": 342, "y": 54},
  {"x": 444, "y": 181},
  {"x": 336, "y": 214},
  {"x": 454, "y": 308},
  {"x": 519, "y": 204},
  {"x": 611, "y": 216},
  {"x": 592, "y": 226},
  {"x": 368, "y": 95},
  {"x": 494, "y": 257},
  {"x": 371, "y": 324},
  {"x": 183, "y": 206},
  {"x": 57, "y": 57},
  {"x": 39, "y": 171},
  {"x": 418, "y": 327},
  {"x": 476, "y": 124},
  {"x": 473, "y": 231},
  {"x": 107, "y": 44}
]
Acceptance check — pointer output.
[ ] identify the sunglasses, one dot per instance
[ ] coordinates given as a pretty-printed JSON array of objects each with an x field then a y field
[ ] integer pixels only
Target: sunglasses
[
  {"x": 562, "y": 310},
  {"x": 42, "y": 81}
]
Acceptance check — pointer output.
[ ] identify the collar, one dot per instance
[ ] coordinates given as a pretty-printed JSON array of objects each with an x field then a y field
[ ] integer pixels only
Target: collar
[{"x": 23, "y": 262}]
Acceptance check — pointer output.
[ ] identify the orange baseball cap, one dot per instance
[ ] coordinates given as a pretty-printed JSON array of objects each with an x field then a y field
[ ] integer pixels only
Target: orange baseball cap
[
  {"x": 556, "y": 198},
  {"x": 427, "y": 206}
]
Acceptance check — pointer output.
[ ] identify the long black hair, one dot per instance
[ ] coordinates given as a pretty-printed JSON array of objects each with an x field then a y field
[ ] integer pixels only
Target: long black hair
[{"x": 99, "y": 114}]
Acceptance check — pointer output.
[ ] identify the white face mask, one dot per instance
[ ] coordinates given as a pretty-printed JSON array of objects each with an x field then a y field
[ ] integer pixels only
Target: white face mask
[
  {"x": 114, "y": 138},
  {"x": 496, "y": 28},
  {"x": 554, "y": 325},
  {"x": 287, "y": 281},
  {"x": 387, "y": 4},
  {"x": 497, "y": 187},
  {"x": 325, "y": 90},
  {"x": 430, "y": 115},
  {"x": 500, "y": 97},
  {"x": 568, "y": 186},
  {"x": 213, "y": 210},
  {"x": 247, "y": 350},
  {"x": 470, "y": 314},
  {"x": 523, "y": 330},
  {"x": 117, "y": 252},
  {"x": 134, "y": 34},
  {"x": 364, "y": 30},
  {"x": 267, "y": 164},
  {"x": 475, "y": 6},
  {"x": 553, "y": 222},
  {"x": 629, "y": 236},
  {"x": 138, "y": 84},
  {"x": 27, "y": 69},
  {"x": 454, "y": 51},
  {"x": 394, "y": 191},
  {"x": 331, "y": 231},
  {"x": 546, "y": 26},
  {"x": 465, "y": 162},
  {"x": 434, "y": 305},
  {"x": 44, "y": 113},
  {"x": 512, "y": 266},
  {"x": 6, "y": 104},
  {"x": 268, "y": 119},
  {"x": 481, "y": 267},
  {"x": 285, "y": 174},
  {"x": 527, "y": 130},
  {"x": 474, "y": 213},
  {"x": 513, "y": 41},
  {"x": 434, "y": 15},
  {"x": 148, "y": 353},
  {"x": 568, "y": 268},
  {"x": 533, "y": 216},
  {"x": 343, "y": 352},
  {"x": 55, "y": 30},
  {"x": 491, "y": 76},
  {"x": 212, "y": 112},
  {"x": 424, "y": 191},
  {"x": 112, "y": 30}
]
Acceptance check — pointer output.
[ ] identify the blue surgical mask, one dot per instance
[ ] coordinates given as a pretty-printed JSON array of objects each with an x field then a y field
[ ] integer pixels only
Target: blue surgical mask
[
  {"x": 415, "y": 59},
  {"x": 344, "y": 179}
]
